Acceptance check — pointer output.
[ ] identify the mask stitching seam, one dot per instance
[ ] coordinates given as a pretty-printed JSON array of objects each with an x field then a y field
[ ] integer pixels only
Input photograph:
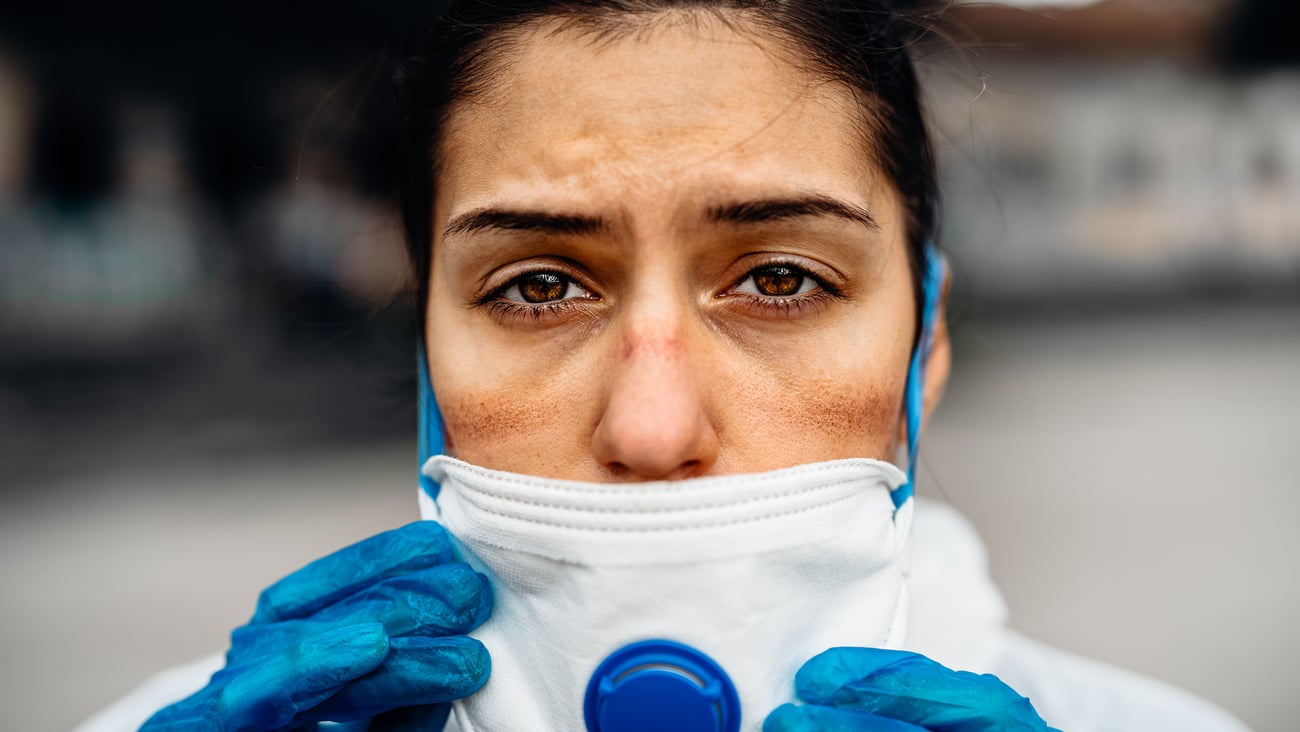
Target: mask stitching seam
[
  {"x": 715, "y": 525},
  {"x": 673, "y": 509},
  {"x": 679, "y": 486}
]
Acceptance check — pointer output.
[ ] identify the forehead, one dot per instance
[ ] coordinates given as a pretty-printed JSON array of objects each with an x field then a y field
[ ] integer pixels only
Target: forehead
[{"x": 675, "y": 110}]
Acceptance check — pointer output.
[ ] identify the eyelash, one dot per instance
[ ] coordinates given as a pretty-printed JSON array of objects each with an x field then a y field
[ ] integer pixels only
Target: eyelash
[
  {"x": 787, "y": 307},
  {"x": 503, "y": 310},
  {"x": 791, "y": 306}
]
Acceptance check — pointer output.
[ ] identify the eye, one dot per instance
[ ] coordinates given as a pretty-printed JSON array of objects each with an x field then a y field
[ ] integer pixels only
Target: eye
[
  {"x": 777, "y": 280},
  {"x": 539, "y": 288}
]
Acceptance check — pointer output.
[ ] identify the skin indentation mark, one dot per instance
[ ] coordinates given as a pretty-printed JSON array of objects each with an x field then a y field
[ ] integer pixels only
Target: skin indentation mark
[{"x": 640, "y": 345}]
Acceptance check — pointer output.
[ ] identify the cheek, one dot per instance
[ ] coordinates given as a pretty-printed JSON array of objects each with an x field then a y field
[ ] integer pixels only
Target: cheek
[
  {"x": 825, "y": 418},
  {"x": 478, "y": 419},
  {"x": 842, "y": 412},
  {"x": 534, "y": 420},
  {"x": 505, "y": 429},
  {"x": 816, "y": 398}
]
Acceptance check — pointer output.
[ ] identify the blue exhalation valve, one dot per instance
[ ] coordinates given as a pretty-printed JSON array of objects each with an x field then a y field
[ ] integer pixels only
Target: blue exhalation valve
[{"x": 660, "y": 686}]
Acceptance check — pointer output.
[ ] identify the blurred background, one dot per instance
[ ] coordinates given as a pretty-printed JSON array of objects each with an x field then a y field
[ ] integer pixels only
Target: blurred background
[{"x": 205, "y": 357}]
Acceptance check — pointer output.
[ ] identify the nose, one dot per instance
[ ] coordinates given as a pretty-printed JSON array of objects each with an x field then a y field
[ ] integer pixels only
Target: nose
[{"x": 656, "y": 423}]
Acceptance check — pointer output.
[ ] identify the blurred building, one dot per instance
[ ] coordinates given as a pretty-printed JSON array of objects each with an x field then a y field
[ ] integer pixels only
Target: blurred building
[
  {"x": 1117, "y": 151},
  {"x": 195, "y": 236},
  {"x": 145, "y": 147}
]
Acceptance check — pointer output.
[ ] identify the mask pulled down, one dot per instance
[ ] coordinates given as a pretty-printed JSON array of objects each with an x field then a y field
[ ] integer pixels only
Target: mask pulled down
[{"x": 734, "y": 581}]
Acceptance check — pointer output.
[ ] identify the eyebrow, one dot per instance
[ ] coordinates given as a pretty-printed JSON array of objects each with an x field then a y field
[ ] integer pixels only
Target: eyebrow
[
  {"x": 537, "y": 221},
  {"x": 738, "y": 213},
  {"x": 778, "y": 209}
]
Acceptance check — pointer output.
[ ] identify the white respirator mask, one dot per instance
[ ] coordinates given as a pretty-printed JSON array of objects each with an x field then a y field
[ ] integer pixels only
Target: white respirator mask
[
  {"x": 682, "y": 606},
  {"x": 686, "y": 605}
]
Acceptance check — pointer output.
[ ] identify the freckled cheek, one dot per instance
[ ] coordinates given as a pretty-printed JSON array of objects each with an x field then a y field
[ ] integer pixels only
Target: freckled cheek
[
  {"x": 826, "y": 420},
  {"x": 813, "y": 399},
  {"x": 780, "y": 416},
  {"x": 487, "y": 427},
  {"x": 529, "y": 428},
  {"x": 510, "y": 402}
]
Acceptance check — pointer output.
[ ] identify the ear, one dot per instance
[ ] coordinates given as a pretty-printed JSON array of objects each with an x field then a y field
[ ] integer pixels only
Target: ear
[{"x": 939, "y": 364}]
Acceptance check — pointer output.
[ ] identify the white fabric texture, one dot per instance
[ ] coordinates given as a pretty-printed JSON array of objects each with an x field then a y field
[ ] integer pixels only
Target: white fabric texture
[
  {"x": 957, "y": 614},
  {"x": 580, "y": 570},
  {"x": 1067, "y": 691},
  {"x": 956, "y": 617},
  {"x": 160, "y": 690}
]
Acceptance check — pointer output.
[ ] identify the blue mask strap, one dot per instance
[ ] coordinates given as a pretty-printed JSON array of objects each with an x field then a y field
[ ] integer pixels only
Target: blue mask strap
[
  {"x": 932, "y": 277},
  {"x": 430, "y": 419}
]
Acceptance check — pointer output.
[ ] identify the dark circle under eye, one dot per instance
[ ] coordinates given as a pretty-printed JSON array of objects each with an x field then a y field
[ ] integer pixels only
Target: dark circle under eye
[
  {"x": 542, "y": 287},
  {"x": 777, "y": 281}
]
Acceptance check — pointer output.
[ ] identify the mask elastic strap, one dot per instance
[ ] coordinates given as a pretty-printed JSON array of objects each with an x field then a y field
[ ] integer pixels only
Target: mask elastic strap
[
  {"x": 431, "y": 440},
  {"x": 932, "y": 278}
]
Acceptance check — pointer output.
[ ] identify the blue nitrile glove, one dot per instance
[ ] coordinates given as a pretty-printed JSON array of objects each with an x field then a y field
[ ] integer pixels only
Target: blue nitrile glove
[
  {"x": 377, "y": 626},
  {"x": 876, "y": 690}
]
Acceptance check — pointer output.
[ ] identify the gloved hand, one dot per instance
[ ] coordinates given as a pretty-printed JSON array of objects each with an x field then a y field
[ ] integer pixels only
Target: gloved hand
[
  {"x": 374, "y": 627},
  {"x": 876, "y": 690}
]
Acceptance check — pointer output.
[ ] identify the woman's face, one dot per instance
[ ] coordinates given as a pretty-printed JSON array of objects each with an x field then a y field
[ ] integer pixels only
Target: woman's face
[{"x": 664, "y": 256}]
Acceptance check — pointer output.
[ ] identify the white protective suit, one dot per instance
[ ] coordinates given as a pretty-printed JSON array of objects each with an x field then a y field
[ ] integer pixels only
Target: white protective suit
[{"x": 957, "y": 617}]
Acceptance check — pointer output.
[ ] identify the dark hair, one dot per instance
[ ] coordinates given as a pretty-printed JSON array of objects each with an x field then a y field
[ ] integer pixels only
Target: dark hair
[{"x": 863, "y": 44}]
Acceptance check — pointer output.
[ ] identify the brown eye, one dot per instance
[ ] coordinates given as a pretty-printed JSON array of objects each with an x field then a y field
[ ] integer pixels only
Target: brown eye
[
  {"x": 777, "y": 280},
  {"x": 542, "y": 287}
]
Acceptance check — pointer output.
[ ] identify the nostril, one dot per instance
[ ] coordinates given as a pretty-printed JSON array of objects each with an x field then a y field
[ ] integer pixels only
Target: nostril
[
  {"x": 688, "y": 469},
  {"x": 619, "y": 472}
]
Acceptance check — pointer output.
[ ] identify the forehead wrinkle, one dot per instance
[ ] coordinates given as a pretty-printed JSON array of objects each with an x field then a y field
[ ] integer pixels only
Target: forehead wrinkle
[
  {"x": 600, "y": 29},
  {"x": 573, "y": 156},
  {"x": 748, "y": 27}
]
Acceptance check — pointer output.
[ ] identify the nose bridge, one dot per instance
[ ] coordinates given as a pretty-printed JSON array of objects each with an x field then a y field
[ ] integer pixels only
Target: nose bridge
[
  {"x": 655, "y": 322},
  {"x": 654, "y": 364},
  {"x": 656, "y": 422}
]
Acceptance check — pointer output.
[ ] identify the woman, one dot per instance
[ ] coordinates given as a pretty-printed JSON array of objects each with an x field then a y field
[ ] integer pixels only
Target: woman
[{"x": 657, "y": 243}]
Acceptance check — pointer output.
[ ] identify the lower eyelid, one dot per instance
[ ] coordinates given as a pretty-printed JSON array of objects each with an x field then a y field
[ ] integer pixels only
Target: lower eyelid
[
  {"x": 789, "y": 306},
  {"x": 503, "y": 309}
]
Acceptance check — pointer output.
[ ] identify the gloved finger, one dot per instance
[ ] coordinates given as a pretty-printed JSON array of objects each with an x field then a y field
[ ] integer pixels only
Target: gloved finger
[
  {"x": 792, "y": 718},
  {"x": 417, "y": 545},
  {"x": 913, "y": 688},
  {"x": 268, "y": 695},
  {"x": 412, "y": 719},
  {"x": 818, "y": 680},
  {"x": 451, "y": 599},
  {"x": 417, "y": 672}
]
